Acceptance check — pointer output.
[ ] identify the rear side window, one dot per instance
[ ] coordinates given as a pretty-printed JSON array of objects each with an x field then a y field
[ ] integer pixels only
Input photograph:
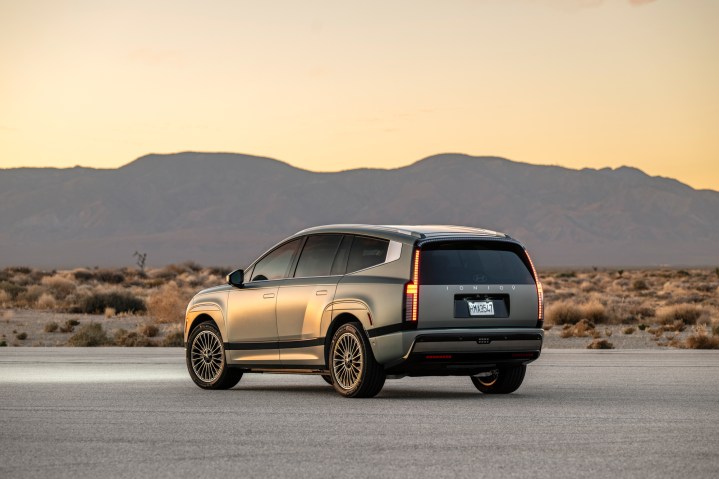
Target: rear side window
[
  {"x": 317, "y": 256},
  {"x": 276, "y": 263},
  {"x": 474, "y": 263},
  {"x": 366, "y": 252}
]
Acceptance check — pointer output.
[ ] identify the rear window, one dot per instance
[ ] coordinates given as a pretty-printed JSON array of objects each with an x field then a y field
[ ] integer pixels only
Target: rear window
[
  {"x": 366, "y": 252},
  {"x": 474, "y": 263}
]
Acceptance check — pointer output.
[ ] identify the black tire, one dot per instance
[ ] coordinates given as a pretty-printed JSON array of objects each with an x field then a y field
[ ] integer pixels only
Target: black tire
[
  {"x": 355, "y": 372},
  {"x": 503, "y": 381},
  {"x": 328, "y": 379},
  {"x": 210, "y": 370}
]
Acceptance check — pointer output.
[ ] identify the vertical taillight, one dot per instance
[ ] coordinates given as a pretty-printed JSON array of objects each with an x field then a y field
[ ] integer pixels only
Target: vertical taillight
[
  {"x": 540, "y": 293},
  {"x": 411, "y": 292}
]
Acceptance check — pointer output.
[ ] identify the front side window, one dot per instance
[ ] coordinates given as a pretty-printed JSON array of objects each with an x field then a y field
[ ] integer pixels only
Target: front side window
[
  {"x": 317, "y": 256},
  {"x": 276, "y": 263},
  {"x": 366, "y": 252}
]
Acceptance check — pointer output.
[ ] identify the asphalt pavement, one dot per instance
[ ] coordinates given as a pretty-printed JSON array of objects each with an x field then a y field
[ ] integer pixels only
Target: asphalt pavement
[{"x": 134, "y": 412}]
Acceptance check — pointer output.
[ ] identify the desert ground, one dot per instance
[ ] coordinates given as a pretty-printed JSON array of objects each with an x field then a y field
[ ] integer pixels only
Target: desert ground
[{"x": 585, "y": 308}]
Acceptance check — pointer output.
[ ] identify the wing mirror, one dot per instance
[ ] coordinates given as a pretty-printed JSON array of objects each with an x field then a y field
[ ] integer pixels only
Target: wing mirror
[{"x": 236, "y": 278}]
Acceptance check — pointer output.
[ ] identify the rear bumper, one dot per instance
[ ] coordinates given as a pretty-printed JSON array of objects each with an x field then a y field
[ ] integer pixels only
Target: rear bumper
[{"x": 456, "y": 351}]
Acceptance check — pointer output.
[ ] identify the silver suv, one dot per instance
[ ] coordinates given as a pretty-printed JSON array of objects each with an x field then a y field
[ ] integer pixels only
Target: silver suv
[{"x": 358, "y": 304}]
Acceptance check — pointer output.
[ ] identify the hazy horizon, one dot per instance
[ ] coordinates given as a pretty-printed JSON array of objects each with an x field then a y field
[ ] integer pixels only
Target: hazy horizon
[{"x": 326, "y": 87}]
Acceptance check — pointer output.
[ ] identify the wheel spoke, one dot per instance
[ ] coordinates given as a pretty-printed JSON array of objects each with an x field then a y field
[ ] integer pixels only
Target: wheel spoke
[{"x": 206, "y": 356}]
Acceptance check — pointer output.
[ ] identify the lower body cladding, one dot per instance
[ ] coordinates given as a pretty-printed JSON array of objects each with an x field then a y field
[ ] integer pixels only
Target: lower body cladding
[{"x": 455, "y": 352}]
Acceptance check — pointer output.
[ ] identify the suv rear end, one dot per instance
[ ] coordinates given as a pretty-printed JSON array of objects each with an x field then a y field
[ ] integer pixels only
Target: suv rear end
[{"x": 473, "y": 306}]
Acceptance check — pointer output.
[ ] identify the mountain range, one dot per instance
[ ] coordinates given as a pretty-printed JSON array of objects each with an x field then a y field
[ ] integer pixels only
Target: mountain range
[{"x": 225, "y": 209}]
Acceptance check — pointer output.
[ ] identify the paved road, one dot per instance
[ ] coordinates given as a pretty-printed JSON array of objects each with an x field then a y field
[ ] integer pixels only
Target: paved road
[{"x": 110, "y": 412}]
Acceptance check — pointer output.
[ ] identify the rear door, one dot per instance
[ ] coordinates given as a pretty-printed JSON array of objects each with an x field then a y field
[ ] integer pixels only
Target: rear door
[
  {"x": 303, "y": 299},
  {"x": 482, "y": 283}
]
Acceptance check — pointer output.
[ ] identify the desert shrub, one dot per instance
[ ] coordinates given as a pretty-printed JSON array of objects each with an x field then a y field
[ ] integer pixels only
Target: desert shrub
[
  {"x": 12, "y": 289},
  {"x": 686, "y": 313},
  {"x": 4, "y": 296},
  {"x": 582, "y": 329},
  {"x": 69, "y": 326},
  {"x": 83, "y": 275},
  {"x": 629, "y": 330},
  {"x": 109, "y": 276},
  {"x": 172, "y": 340},
  {"x": 677, "y": 326},
  {"x": 121, "y": 302},
  {"x": 149, "y": 330},
  {"x": 21, "y": 336},
  {"x": 643, "y": 311},
  {"x": 566, "y": 312},
  {"x": 3, "y": 343},
  {"x": 19, "y": 269},
  {"x": 167, "y": 305},
  {"x": 639, "y": 285},
  {"x": 600, "y": 344},
  {"x": 130, "y": 339},
  {"x": 642, "y": 326},
  {"x": 702, "y": 341},
  {"x": 59, "y": 286},
  {"x": 89, "y": 335},
  {"x": 46, "y": 301},
  {"x": 51, "y": 327},
  {"x": 110, "y": 312}
]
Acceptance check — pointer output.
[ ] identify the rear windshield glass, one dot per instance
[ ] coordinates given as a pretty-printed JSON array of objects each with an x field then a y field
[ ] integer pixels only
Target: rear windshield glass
[{"x": 473, "y": 263}]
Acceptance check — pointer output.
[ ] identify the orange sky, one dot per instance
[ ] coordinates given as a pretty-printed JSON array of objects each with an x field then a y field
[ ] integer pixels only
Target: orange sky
[{"x": 326, "y": 86}]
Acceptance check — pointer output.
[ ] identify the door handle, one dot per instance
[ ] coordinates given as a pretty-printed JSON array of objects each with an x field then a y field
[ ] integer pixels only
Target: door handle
[
  {"x": 322, "y": 292},
  {"x": 268, "y": 295}
]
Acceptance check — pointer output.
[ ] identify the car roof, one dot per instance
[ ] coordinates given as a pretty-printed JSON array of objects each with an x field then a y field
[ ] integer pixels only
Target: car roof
[{"x": 405, "y": 232}]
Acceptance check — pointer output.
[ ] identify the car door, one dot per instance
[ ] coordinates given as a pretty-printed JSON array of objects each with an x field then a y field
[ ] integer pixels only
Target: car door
[
  {"x": 252, "y": 322},
  {"x": 304, "y": 299}
]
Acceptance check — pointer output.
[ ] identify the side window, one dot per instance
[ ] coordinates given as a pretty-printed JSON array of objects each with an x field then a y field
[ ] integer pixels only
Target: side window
[
  {"x": 317, "y": 255},
  {"x": 366, "y": 252},
  {"x": 340, "y": 264},
  {"x": 276, "y": 263}
]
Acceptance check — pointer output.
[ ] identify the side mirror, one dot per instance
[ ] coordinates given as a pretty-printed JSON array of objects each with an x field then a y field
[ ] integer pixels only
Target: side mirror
[{"x": 236, "y": 278}]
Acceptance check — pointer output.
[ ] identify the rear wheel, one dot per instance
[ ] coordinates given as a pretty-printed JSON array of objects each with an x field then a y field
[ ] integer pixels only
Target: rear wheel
[
  {"x": 355, "y": 372},
  {"x": 501, "y": 381},
  {"x": 205, "y": 357}
]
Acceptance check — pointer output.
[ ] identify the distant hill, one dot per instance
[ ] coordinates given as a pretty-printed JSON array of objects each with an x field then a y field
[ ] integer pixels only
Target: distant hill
[{"x": 224, "y": 209}]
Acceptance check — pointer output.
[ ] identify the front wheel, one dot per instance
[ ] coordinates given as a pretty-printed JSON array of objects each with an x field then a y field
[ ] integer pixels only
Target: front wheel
[
  {"x": 501, "y": 381},
  {"x": 205, "y": 357},
  {"x": 354, "y": 370}
]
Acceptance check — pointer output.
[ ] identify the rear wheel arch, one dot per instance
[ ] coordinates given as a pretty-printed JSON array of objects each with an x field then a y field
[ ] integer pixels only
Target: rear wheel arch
[{"x": 337, "y": 322}]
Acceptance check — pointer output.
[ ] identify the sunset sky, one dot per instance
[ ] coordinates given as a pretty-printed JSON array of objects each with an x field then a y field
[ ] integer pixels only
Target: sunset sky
[{"x": 330, "y": 85}]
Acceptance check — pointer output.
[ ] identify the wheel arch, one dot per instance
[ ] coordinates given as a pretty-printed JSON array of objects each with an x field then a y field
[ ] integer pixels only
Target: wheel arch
[
  {"x": 199, "y": 317},
  {"x": 338, "y": 321}
]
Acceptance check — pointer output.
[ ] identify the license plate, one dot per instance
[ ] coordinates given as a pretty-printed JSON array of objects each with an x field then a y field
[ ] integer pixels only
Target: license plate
[{"x": 481, "y": 308}]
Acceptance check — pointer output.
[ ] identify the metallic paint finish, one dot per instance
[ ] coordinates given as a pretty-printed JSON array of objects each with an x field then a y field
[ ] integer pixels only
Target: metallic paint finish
[{"x": 294, "y": 310}]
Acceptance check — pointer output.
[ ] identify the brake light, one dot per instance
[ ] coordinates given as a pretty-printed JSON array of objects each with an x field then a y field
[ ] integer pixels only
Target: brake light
[
  {"x": 411, "y": 292},
  {"x": 540, "y": 291}
]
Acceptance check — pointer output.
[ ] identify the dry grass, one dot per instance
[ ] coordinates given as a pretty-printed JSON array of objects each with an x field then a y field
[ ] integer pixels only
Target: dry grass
[
  {"x": 149, "y": 330},
  {"x": 582, "y": 329},
  {"x": 629, "y": 330},
  {"x": 566, "y": 312},
  {"x": 687, "y": 314},
  {"x": 168, "y": 303}
]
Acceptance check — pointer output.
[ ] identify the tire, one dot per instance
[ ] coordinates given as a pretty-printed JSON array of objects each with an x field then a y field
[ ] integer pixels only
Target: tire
[
  {"x": 503, "y": 381},
  {"x": 205, "y": 359},
  {"x": 328, "y": 379},
  {"x": 354, "y": 370}
]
